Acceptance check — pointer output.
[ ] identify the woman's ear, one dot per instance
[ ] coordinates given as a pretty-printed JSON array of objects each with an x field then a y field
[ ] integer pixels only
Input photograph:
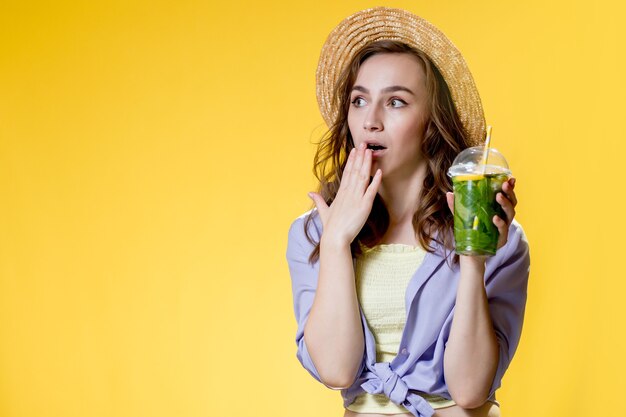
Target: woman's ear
[{"x": 450, "y": 199}]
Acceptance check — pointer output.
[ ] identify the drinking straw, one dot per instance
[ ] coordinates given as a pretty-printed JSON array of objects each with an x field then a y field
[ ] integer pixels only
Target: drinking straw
[
  {"x": 486, "y": 152},
  {"x": 484, "y": 163}
]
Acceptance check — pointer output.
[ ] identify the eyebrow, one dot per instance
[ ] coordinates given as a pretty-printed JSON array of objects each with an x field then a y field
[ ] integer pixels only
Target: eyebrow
[{"x": 384, "y": 90}]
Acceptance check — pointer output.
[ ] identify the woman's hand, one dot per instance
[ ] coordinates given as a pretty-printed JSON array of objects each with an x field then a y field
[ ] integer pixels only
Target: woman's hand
[
  {"x": 508, "y": 201},
  {"x": 348, "y": 212}
]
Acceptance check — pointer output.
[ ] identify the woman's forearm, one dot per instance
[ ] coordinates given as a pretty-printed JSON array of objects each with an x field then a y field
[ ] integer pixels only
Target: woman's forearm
[
  {"x": 471, "y": 354},
  {"x": 334, "y": 333}
]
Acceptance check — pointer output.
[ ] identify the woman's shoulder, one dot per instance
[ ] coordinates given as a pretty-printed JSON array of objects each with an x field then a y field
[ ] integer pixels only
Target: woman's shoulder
[
  {"x": 516, "y": 239},
  {"x": 516, "y": 251},
  {"x": 297, "y": 234},
  {"x": 314, "y": 225}
]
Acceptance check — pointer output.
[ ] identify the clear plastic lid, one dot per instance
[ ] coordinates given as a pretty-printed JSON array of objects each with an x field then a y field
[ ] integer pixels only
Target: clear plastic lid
[{"x": 469, "y": 162}]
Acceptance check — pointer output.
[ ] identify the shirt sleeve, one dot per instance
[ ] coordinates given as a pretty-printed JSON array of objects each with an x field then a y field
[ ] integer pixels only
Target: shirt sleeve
[
  {"x": 506, "y": 290},
  {"x": 304, "y": 277}
]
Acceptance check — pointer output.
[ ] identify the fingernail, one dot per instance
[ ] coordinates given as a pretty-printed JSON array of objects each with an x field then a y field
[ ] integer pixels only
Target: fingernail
[
  {"x": 513, "y": 181},
  {"x": 310, "y": 195}
]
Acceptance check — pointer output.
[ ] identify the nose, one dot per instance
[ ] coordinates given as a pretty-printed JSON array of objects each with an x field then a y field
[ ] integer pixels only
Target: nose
[{"x": 372, "y": 121}]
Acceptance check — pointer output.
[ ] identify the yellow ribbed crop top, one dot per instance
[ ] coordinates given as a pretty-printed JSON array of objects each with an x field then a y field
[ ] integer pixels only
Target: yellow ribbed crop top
[{"x": 382, "y": 275}]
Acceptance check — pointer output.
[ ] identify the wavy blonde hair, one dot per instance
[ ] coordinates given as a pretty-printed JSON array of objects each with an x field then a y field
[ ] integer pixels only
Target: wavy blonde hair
[{"x": 444, "y": 138}]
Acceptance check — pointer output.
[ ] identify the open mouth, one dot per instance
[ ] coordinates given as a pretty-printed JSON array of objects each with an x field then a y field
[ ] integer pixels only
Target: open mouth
[{"x": 375, "y": 147}]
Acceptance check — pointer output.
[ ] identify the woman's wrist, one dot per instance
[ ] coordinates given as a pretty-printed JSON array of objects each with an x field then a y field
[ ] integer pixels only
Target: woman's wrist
[
  {"x": 473, "y": 263},
  {"x": 333, "y": 242}
]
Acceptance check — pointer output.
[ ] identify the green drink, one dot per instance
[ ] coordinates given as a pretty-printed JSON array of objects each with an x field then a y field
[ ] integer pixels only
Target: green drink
[{"x": 475, "y": 188}]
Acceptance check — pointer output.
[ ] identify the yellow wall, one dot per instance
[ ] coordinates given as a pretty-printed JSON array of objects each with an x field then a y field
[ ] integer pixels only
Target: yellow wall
[{"x": 154, "y": 153}]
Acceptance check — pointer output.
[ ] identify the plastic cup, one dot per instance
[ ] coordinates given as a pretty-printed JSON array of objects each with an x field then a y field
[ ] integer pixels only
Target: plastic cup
[{"x": 476, "y": 185}]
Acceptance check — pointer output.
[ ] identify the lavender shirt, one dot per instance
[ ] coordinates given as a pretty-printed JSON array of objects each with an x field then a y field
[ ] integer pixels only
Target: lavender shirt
[{"x": 430, "y": 300}]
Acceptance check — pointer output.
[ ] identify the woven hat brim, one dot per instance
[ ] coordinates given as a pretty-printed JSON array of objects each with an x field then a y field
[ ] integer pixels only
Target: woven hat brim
[{"x": 383, "y": 23}]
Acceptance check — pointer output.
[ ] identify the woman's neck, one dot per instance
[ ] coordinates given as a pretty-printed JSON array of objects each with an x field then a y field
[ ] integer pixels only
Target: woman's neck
[{"x": 401, "y": 197}]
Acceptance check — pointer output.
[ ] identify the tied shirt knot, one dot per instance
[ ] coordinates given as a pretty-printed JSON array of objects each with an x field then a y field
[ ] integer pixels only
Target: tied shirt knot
[{"x": 396, "y": 390}]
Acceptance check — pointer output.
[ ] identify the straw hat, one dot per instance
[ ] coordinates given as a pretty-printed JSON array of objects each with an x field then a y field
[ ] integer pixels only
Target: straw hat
[{"x": 380, "y": 23}]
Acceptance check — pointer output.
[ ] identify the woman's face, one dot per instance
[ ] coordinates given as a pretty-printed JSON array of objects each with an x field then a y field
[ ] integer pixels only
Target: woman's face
[{"x": 389, "y": 107}]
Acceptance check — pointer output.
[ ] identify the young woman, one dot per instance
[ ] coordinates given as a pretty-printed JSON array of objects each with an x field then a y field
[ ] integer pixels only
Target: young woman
[{"x": 386, "y": 311}]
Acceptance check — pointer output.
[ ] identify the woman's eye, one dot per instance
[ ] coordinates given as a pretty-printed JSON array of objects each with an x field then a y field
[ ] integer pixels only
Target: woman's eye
[
  {"x": 358, "y": 102},
  {"x": 395, "y": 102}
]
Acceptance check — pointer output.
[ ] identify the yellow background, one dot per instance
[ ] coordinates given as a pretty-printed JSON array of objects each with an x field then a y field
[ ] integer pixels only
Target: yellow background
[{"x": 154, "y": 153}]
